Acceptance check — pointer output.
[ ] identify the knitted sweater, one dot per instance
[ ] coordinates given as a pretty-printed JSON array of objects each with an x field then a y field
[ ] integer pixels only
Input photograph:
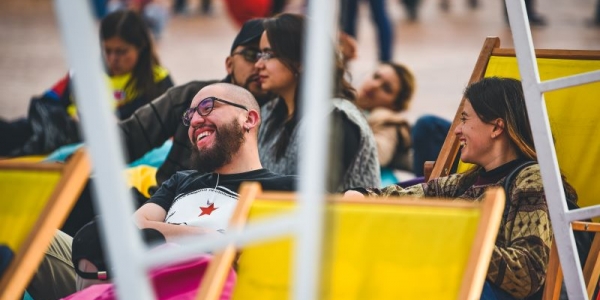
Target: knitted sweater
[
  {"x": 520, "y": 257},
  {"x": 363, "y": 169}
]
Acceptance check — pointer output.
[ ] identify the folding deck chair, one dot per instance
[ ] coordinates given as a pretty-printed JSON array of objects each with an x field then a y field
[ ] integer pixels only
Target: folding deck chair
[
  {"x": 35, "y": 200},
  {"x": 573, "y": 115},
  {"x": 374, "y": 249}
]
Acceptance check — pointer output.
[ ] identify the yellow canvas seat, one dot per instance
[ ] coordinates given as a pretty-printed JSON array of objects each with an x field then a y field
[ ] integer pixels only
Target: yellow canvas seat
[
  {"x": 397, "y": 248},
  {"x": 572, "y": 112},
  {"x": 35, "y": 200}
]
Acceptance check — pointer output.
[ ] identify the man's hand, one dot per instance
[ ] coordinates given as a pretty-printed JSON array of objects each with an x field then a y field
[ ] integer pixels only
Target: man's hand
[{"x": 152, "y": 215}]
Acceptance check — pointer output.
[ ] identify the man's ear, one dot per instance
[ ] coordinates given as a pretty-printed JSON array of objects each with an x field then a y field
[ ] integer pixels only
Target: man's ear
[
  {"x": 229, "y": 65},
  {"x": 252, "y": 120}
]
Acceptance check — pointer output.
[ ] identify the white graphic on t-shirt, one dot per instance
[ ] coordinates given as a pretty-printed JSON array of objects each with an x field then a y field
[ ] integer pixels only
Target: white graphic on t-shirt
[{"x": 207, "y": 208}]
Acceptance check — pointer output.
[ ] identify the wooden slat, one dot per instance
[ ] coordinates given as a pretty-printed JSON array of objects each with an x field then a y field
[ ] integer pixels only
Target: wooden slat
[
  {"x": 479, "y": 257},
  {"x": 554, "y": 276},
  {"x": 449, "y": 150},
  {"x": 553, "y": 53},
  {"x": 221, "y": 263}
]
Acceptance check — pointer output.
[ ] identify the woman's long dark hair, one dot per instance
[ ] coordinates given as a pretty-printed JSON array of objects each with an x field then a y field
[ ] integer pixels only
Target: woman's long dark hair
[
  {"x": 497, "y": 97},
  {"x": 503, "y": 98},
  {"x": 131, "y": 28},
  {"x": 286, "y": 36}
]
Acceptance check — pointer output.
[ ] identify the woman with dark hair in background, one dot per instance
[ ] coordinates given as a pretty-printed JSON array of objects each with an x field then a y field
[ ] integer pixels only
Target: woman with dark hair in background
[
  {"x": 135, "y": 77},
  {"x": 131, "y": 62},
  {"x": 280, "y": 67}
]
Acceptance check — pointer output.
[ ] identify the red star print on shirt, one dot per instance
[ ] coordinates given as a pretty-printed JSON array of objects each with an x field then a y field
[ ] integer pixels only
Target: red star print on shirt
[{"x": 207, "y": 210}]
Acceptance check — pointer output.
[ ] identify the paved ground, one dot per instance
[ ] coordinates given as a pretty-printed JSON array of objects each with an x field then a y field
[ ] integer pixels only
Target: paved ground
[{"x": 441, "y": 47}]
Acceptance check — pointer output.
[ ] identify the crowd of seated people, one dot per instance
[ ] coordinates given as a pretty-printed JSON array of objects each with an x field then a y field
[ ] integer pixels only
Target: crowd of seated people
[{"x": 247, "y": 126}]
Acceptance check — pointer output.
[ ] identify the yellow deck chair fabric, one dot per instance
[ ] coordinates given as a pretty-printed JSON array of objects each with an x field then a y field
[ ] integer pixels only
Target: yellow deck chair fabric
[
  {"x": 396, "y": 248},
  {"x": 35, "y": 200},
  {"x": 141, "y": 178},
  {"x": 573, "y": 115}
]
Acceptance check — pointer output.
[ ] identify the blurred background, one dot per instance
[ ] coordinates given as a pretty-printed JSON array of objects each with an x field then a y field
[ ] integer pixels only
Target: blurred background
[{"x": 440, "y": 45}]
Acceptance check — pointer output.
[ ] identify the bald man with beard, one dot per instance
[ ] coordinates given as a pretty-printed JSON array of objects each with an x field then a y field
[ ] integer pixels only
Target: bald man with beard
[{"x": 223, "y": 121}]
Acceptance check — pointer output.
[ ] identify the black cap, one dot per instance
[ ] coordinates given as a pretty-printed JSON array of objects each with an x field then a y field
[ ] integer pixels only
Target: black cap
[
  {"x": 250, "y": 32},
  {"x": 87, "y": 244}
]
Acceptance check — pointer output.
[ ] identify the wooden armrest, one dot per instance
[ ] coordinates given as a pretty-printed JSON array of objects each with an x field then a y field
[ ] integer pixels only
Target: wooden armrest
[{"x": 427, "y": 169}]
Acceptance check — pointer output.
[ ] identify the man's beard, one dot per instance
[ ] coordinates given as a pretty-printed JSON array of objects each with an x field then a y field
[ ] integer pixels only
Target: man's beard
[
  {"x": 229, "y": 139},
  {"x": 261, "y": 98}
]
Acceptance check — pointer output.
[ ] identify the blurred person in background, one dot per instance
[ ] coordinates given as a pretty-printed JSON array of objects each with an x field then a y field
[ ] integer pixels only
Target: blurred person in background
[
  {"x": 154, "y": 12},
  {"x": 384, "y": 97},
  {"x": 379, "y": 16},
  {"x": 134, "y": 74}
]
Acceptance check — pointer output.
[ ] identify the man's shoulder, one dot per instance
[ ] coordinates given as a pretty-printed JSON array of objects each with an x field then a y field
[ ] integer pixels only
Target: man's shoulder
[
  {"x": 279, "y": 182},
  {"x": 192, "y": 86},
  {"x": 273, "y": 181}
]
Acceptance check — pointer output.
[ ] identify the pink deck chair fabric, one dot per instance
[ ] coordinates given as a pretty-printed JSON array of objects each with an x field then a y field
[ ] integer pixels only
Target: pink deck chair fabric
[{"x": 180, "y": 281}]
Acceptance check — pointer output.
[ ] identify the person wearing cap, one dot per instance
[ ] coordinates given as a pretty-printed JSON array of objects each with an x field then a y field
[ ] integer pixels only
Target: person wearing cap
[
  {"x": 223, "y": 121},
  {"x": 153, "y": 124}
]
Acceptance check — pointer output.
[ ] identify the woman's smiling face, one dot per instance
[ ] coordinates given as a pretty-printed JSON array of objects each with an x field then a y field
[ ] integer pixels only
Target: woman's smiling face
[
  {"x": 379, "y": 90},
  {"x": 474, "y": 135}
]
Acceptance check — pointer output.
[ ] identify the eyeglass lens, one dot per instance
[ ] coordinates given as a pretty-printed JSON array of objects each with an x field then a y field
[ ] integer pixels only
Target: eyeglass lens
[{"x": 204, "y": 108}]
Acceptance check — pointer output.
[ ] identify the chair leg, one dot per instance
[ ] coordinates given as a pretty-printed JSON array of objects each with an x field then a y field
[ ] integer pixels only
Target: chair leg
[
  {"x": 591, "y": 269},
  {"x": 554, "y": 276}
]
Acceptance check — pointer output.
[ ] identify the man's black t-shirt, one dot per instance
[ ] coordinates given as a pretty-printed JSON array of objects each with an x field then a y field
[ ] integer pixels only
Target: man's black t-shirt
[{"x": 208, "y": 199}]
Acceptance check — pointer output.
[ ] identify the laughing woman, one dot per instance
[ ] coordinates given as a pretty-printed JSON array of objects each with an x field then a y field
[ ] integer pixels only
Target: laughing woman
[
  {"x": 279, "y": 68},
  {"x": 496, "y": 137}
]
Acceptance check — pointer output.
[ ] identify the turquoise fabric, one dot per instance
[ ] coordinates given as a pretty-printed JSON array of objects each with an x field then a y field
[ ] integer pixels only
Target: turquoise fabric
[
  {"x": 154, "y": 158},
  {"x": 388, "y": 177},
  {"x": 27, "y": 296},
  {"x": 63, "y": 152}
]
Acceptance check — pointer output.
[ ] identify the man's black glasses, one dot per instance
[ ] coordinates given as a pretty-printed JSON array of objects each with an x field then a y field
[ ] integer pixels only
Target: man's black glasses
[
  {"x": 249, "y": 54},
  {"x": 205, "y": 107}
]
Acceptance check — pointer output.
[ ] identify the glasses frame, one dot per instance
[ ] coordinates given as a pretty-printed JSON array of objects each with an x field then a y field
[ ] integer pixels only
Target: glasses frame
[
  {"x": 245, "y": 54},
  {"x": 189, "y": 113},
  {"x": 265, "y": 55}
]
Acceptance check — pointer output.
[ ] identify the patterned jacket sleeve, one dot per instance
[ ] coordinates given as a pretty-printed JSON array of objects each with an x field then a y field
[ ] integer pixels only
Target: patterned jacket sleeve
[
  {"x": 442, "y": 187},
  {"x": 520, "y": 257}
]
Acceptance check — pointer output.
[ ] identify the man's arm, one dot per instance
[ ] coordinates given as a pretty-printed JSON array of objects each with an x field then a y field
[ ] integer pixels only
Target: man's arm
[{"x": 152, "y": 215}]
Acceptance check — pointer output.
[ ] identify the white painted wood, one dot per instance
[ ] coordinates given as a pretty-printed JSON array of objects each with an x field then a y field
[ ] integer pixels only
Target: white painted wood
[
  {"x": 114, "y": 200},
  {"x": 544, "y": 145},
  {"x": 317, "y": 83}
]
